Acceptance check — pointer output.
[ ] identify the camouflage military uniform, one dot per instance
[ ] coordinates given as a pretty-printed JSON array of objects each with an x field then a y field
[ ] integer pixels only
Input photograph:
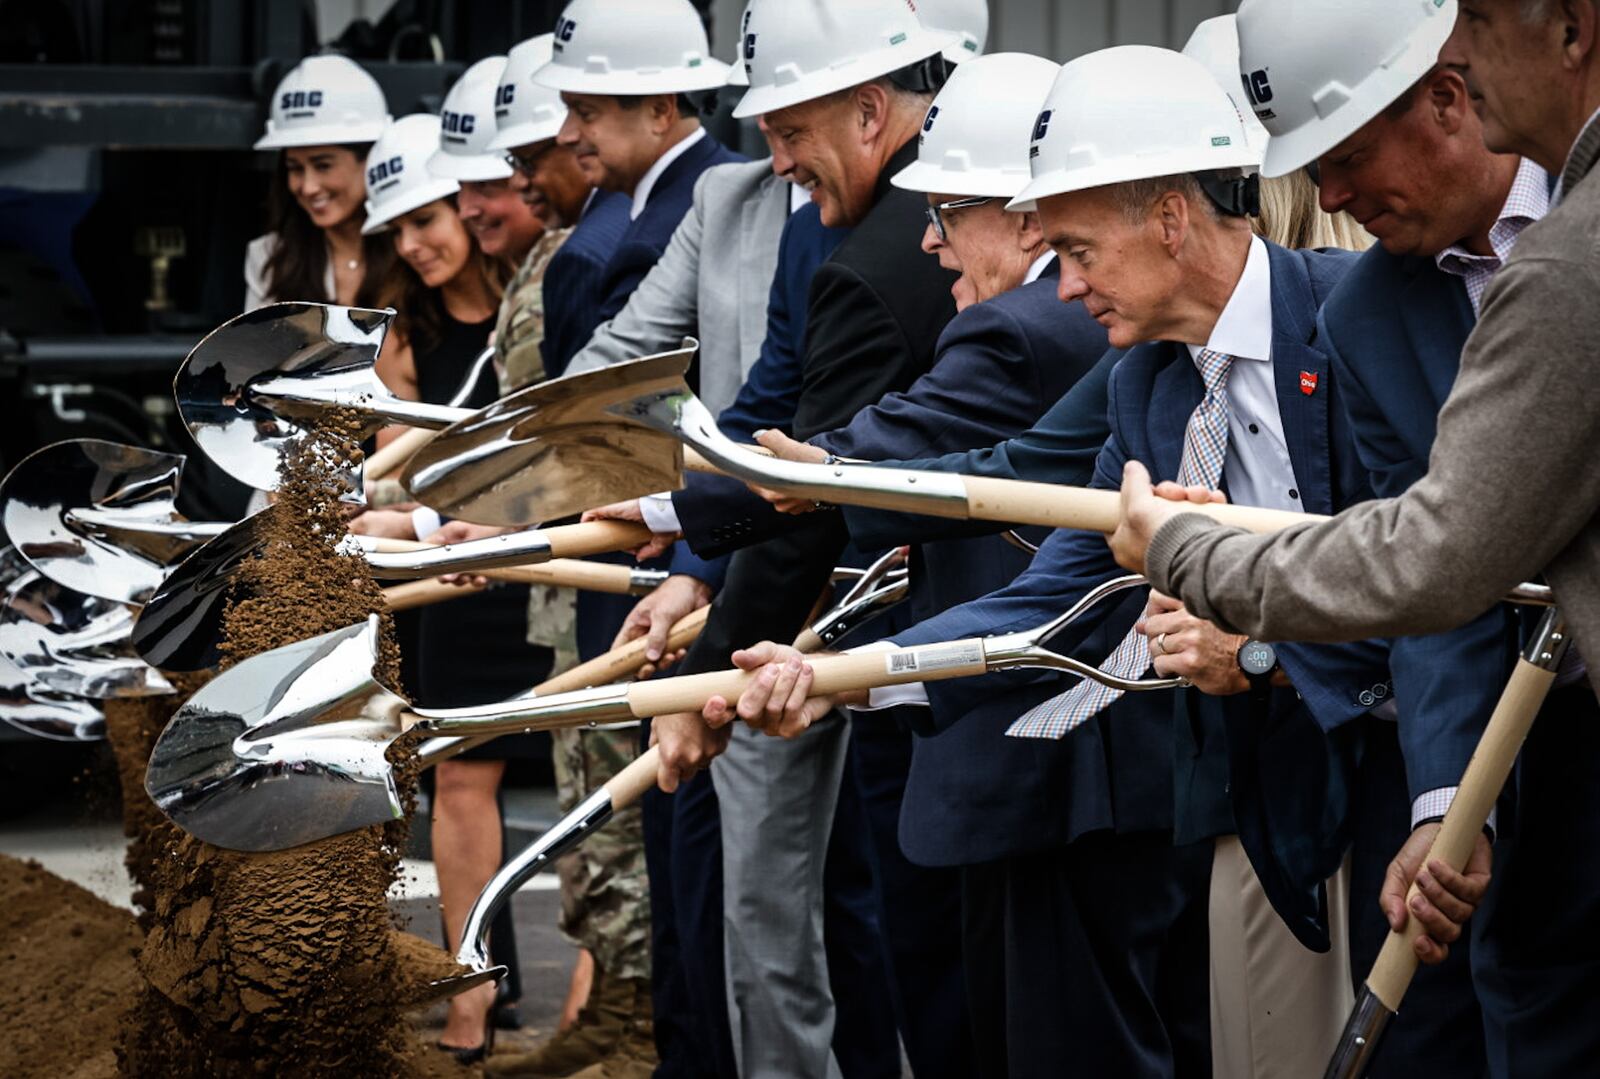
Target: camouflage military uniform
[{"x": 605, "y": 894}]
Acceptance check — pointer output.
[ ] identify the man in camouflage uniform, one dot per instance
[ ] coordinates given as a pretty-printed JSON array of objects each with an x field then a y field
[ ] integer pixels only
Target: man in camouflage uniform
[{"x": 605, "y": 907}]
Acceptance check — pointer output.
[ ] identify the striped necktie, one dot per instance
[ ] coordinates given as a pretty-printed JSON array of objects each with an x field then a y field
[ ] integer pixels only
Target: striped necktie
[{"x": 1205, "y": 448}]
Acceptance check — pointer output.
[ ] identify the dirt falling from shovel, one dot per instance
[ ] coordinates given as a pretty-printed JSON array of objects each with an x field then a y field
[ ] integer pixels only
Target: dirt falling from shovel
[{"x": 281, "y": 963}]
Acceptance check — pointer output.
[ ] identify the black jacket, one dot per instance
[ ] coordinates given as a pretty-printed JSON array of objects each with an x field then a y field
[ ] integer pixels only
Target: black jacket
[{"x": 876, "y": 310}]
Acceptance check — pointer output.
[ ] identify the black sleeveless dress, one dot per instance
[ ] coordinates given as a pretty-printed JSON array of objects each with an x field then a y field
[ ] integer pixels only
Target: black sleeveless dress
[{"x": 473, "y": 650}]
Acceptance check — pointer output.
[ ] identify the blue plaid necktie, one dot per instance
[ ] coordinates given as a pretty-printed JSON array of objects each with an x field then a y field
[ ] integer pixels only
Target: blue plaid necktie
[{"x": 1205, "y": 448}]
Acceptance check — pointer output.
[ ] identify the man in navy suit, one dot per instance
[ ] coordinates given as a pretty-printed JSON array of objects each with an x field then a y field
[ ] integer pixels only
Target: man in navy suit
[
  {"x": 636, "y": 132},
  {"x": 1209, "y": 315}
]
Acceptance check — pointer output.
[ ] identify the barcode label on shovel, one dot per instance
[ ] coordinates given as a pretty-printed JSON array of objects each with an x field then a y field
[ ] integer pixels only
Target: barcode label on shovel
[{"x": 934, "y": 658}]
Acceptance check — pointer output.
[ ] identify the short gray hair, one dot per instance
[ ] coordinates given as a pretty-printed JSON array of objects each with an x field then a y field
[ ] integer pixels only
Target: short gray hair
[{"x": 1135, "y": 197}]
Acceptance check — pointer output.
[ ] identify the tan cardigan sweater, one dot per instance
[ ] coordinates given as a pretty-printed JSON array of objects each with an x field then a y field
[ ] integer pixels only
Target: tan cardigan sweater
[{"x": 1513, "y": 484}]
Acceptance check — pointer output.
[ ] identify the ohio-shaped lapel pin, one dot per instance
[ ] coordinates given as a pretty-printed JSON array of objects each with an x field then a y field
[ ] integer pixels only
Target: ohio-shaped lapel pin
[{"x": 1308, "y": 382}]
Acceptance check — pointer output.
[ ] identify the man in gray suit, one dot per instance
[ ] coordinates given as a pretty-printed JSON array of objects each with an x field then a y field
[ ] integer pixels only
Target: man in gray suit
[{"x": 738, "y": 211}]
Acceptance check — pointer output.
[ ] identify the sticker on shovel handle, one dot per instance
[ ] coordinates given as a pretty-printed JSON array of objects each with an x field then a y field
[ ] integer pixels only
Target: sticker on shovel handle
[{"x": 935, "y": 657}]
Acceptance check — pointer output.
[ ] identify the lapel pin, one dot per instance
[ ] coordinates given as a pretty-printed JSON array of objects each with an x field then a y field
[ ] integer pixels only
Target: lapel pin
[{"x": 1308, "y": 382}]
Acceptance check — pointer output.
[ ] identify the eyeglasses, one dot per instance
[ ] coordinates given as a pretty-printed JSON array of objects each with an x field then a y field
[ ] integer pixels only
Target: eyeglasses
[
  {"x": 528, "y": 163},
  {"x": 937, "y": 210},
  {"x": 1314, "y": 170}
]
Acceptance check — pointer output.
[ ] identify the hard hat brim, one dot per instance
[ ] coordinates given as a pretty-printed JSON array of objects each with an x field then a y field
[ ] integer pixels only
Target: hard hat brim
[
  {"x": 709, "y": 74},
  {"x": 378, "y": 220},
  {"x": 525, "y": 134},
  {"x": 1123, "y": 170},
  {"x": 322, "y": 135},
  {"x": 474, "y": 168},
  {"x": 930, "y": 179},
  {"x": 919, "y": 45}
]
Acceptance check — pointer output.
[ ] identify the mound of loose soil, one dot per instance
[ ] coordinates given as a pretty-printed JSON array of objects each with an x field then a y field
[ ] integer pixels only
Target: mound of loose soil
[{"x": 69, "y": 972}]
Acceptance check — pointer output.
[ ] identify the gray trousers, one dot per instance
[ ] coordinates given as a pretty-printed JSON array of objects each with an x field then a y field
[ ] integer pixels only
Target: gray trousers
[{"x": 778, "y": 798}]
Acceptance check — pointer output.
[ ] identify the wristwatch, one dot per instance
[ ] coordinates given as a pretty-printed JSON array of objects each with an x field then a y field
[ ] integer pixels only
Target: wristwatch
[{"x": 1259, "y": 662}]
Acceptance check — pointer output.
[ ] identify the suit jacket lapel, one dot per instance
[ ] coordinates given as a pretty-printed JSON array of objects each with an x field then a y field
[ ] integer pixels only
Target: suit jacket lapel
[{"x": 1298, "y": 366}]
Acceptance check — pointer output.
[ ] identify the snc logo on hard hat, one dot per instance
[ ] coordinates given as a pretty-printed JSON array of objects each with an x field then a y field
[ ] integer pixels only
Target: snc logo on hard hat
[
  {"x": 389, "y": 170},
  {"x": 564, "y": 29},
  {"x": 300, "y": 99}
]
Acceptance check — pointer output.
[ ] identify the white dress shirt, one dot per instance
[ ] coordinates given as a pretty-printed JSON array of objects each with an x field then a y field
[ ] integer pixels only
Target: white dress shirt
[{"x": 647, "y": 182}]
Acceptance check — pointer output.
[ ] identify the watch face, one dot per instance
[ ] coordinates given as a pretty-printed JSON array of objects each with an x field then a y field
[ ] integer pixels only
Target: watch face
[{"x": 1257, "y": 657}]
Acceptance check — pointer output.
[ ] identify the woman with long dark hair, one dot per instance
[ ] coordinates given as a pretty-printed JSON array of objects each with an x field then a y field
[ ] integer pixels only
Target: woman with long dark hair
[
  {"x": 325, "y": 115},
  {"x": 472, "y": 650}
]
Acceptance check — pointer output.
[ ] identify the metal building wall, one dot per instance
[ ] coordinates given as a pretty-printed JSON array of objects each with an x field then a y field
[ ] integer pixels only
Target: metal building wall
[{"x": 1062, "y": 29}]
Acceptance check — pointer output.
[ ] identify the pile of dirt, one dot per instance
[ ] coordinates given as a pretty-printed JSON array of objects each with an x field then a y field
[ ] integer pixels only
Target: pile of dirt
[
  {"x": 132, "y": 727},
  {"x": 68, "y": 958},
  {"x": 284, "y": 963}
]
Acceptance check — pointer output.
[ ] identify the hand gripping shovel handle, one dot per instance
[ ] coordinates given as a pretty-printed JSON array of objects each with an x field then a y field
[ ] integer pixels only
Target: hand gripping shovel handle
[
  {"x": 689, "y": 693},
  {"x": 619, "y": 792},
  {"x": 1379, "y": 999}
]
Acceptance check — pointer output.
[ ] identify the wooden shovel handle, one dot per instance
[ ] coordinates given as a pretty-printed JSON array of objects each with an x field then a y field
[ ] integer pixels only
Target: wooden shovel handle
[
  {"x": 630, "y": 784},
  {"x": 413, "y": 594},
  {"x": 1021, "y": 502},
  {"x": 396, "y": 453},
  {"x": 563, "y": 573},
  {"x": 1458, "y": 833},
  {"x": 831, "y": 674},
  {"x": 614, "y": 666}
]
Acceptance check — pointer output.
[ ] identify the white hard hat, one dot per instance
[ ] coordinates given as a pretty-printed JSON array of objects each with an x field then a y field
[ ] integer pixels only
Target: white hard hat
[
  {"x": 798, "y": 52},
  {"x": 1133, "y": 112},
  {"x": 974, "y": 140},
  {"x": 325, "y": 101},
  {"x": 1215, "y": 43},
  {"x": 398, "y": 180},
  {"x": 1315, "y": 71},
  {"x": 524, "y": 111},
  {"x": 737, "y": 75},
  {"x": 466, "y": 126},
  {"x": 967, "y": 19},
  {"x": 628, "y": 47}
]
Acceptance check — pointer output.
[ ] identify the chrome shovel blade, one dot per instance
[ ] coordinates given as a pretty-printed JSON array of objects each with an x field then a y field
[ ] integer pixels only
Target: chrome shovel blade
[
  {"x": 44, "y": 714},
  {"x": 556, "y": 448},
  {"x": 257, "y": 380},
  {"x": 66, "y": 642},
  {"x": 181, "y": 625},
  {"x": 302, "y": 726},
  {"x": 98, "y": 516}
]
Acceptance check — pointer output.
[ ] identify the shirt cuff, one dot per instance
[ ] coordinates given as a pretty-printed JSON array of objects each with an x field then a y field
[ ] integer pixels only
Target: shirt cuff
[
  {"x": 907, "y": 693},
  {"x": 659, "y": 514},
  {"x": 1432, "y": 805},
  {"x": 425, "y": 521}
]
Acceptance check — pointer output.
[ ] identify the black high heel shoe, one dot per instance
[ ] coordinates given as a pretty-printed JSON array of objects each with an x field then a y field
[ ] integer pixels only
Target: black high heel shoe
[
  {"x": 468, "y": 1057},
  {"x": 504, "y": 1014}
]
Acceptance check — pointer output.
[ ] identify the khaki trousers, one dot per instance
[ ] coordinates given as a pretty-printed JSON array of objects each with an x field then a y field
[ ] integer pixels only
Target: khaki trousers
[{"x": 1276, "y": 1008}]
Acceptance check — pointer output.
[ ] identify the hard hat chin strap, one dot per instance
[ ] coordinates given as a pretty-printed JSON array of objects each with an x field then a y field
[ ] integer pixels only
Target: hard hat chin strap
[
  {"x": 926, "y": 76},
  {"x": 1233, "y": 194}
]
